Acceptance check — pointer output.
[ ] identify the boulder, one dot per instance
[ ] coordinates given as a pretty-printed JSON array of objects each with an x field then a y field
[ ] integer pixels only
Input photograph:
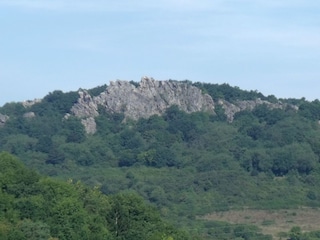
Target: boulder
[{"x": 29, "y": 115}]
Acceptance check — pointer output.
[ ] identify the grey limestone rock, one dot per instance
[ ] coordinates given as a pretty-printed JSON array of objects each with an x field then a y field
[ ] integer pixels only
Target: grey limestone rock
[
  {"x": 229, "y": 109},
  {"x": 89, "y": 125},
  {"x": 29, "y": 115},
  {"x": 29, "y": 103},
  {"x": 86, "y": 106},
  {"x": 232, "y": 109},
  {"x": 3, "y": 119},
  {"x": 153, "y": 97},
  {"x": 150, "y": 97}
]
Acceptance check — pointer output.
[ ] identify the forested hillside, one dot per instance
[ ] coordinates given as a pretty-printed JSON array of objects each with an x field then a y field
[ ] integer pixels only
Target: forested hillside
[
  {"x": 35, "y": 207},
  {"x": 186, "y": 165}
]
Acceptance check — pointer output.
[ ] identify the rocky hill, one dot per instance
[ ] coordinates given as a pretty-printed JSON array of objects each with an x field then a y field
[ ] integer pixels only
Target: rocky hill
[
  {"x": 149, "y": 98},
  {"x": 152, "y": 97},
  {"x": 236, "y": 149}
]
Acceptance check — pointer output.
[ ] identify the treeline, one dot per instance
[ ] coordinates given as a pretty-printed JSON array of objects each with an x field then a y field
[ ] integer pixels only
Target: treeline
[{"x": 229, "y": 93}]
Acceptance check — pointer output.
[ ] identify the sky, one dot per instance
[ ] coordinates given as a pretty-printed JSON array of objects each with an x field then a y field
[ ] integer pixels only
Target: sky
[{"x": 272, "y": 46}]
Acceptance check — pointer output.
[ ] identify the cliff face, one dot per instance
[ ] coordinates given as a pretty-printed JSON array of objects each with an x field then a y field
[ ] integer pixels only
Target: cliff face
[{"x": 151, "y": 97}]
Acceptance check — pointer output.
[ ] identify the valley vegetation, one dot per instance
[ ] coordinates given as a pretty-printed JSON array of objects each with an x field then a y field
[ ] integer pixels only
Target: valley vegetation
[{"x": 37, "y": 207}]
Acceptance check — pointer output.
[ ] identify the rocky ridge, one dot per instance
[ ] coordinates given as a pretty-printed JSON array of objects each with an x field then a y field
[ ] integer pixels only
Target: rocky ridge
[
  {"x": 152, "y": 97},
  {"x": 231, "y": 109},
  {"x": 149, "y": 97}
]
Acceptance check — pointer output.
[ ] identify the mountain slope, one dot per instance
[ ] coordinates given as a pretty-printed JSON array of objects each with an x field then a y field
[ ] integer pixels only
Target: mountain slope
[{"x": 252, "y": 151}]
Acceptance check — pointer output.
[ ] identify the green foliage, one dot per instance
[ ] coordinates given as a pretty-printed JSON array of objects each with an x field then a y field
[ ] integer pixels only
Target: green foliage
[
  {"x": 129, "y": 217},
  {"x": 186, "y": 165},
  {"x": 97, "y": 90},
  {"x": 33, "y": 207},
  {"x": 19, "y": 143},
  {"x": 310, "y": 110},
  {"x": 55, "y": 103},
  {"x": 227, "y": 92},
  {"x": 297, "y": 234},
  {"x": 136, "y": 84},
  {"x": 12, "y": 109},
  {"x": 225, "y": 231},
  {"x": 27, "y": 229},
  {"x": 74, "y": 130},
  {"x": 55, "y": 156}
]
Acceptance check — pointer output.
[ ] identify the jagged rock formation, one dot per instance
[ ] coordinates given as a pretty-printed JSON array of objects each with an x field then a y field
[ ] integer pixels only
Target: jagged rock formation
[
  {"x": 151, "y": 97},
  {"x": 232, "y": 109},
  {"x": 86, "y": 105},
  {"x": 3, "y": 119}
]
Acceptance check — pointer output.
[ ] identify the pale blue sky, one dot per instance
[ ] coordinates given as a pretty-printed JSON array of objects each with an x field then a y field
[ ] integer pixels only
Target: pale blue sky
[{"x": 272, "y": 46}]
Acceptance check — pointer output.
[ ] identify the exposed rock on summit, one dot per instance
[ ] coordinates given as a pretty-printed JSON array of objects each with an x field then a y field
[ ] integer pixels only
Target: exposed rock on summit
[{"x": 151, "y": 97}]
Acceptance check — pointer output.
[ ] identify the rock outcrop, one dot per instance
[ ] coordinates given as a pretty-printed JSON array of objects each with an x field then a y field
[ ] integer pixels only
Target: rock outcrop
[
  {"x": 29, "y": 115},
  {"x": 152, "y": 97},
  {"x": 29, "y": 103},
  {"x": 149, "y": 98},
  {"x": 86, "y": 106},
  {"x": 232, "y": 109},
  {"x": 89, "y": 125},
  {"x": 3, "y": 119}
]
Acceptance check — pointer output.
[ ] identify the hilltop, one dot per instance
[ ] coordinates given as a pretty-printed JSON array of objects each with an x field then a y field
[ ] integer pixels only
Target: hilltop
[{"x": 190, "y": 149}]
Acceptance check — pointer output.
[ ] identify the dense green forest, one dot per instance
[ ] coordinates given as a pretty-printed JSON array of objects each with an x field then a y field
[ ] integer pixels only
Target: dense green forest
[
  {"x": 184, "y": 165},
  {"x": 35, "y": 207}
]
